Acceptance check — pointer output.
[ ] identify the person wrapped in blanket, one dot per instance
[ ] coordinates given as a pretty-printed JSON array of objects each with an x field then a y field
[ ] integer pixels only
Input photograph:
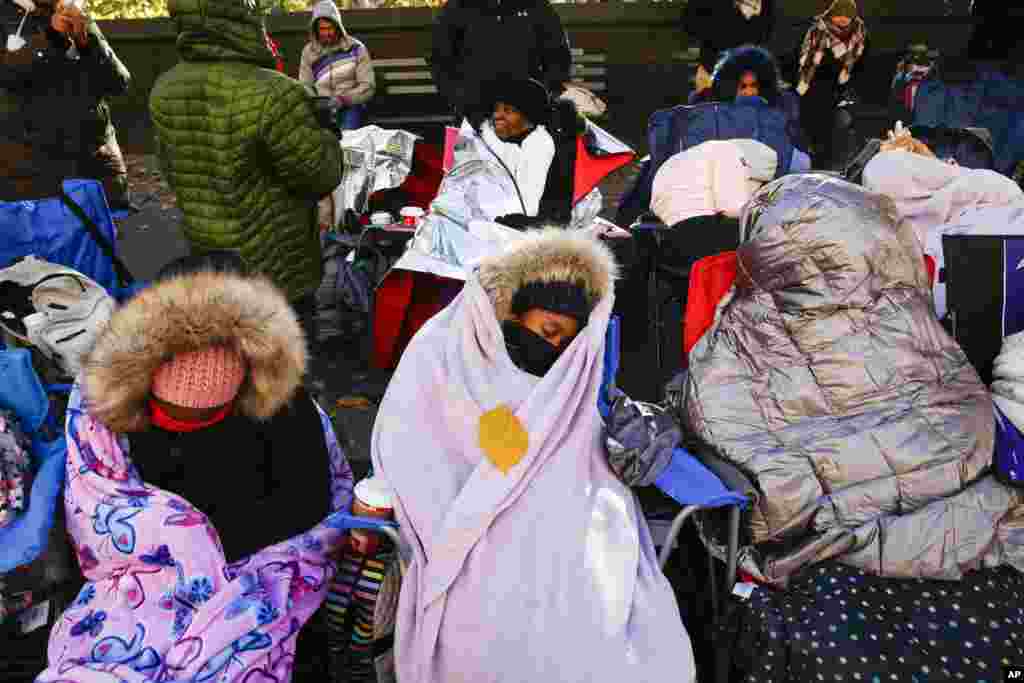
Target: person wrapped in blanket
[
  {"x": 938, "y": 196},
  {"x": 200, "y": 480},
  {"x": 513, "y": 174},
  {"x": 828, "y": 380},
  {"x": 751, "y": 71},
  {"x": 867, "y": 438},
  {"x": 524, "y": 537},
  {"x": 520, "y": 141},
  {"x": 698, "y": 194}
]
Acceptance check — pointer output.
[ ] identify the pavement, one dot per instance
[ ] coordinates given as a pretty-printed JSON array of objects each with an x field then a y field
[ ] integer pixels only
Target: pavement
[{"x": 346, "y": 387}]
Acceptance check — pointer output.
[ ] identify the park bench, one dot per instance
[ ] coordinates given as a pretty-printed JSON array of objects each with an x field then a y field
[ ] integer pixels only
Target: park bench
[{"x": 408, "y": 98}]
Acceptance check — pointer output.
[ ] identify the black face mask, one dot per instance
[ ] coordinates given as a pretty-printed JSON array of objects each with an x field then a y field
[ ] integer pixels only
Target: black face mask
[{"x": 528, "y": 350}]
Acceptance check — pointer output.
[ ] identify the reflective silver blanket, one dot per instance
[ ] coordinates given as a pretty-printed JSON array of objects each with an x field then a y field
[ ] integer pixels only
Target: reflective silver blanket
[
  {"x": 459, "y": 229},
  {"x": 375, "y": 159}
]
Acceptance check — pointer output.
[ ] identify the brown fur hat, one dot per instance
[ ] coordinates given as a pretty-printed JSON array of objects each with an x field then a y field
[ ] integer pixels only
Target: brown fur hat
[{"x": 187, "y": 313}]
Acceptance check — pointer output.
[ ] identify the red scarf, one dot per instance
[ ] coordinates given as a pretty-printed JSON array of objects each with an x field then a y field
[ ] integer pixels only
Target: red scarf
[{"x": 160, "y": 418}]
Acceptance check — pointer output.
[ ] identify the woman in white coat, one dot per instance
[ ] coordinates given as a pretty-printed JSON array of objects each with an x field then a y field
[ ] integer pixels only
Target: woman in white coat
[{"x": 516, "y": 135}]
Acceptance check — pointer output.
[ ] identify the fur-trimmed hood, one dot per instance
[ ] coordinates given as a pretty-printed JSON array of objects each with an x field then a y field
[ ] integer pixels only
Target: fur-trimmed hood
[
  {"x": 187, "y": 313},
  {"x": 738, "y": 61},
  {"x": 549, "y": 255}
]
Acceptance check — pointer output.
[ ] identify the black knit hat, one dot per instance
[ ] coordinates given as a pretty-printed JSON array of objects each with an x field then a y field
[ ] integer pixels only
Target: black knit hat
[
  {"x": 528, "y": 96},
  {"x": 567, "y": 298}
]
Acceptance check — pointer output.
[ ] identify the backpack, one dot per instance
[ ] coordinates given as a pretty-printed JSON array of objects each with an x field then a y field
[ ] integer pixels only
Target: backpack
[
  {"x": 54, "y": 309},
  {"x": 350, "y": 274}
]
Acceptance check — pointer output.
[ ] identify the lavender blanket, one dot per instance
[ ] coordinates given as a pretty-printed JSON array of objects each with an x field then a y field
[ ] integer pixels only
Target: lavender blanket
[{"x": 543, "y": 572}]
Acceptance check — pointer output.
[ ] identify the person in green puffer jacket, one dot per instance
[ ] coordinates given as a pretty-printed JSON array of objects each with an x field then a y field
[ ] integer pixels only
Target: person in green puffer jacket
[{"x": 243, "y": 149}]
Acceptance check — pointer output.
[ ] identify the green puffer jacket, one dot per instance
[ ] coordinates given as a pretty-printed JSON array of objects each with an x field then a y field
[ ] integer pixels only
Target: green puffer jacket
[{"x": 241, "y": 145}]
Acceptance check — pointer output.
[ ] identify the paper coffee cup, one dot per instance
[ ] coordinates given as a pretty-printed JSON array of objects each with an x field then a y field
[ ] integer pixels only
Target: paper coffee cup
[
  {"x": 411, "y": 215},
  {"x": 380, "y": 218},
  {"x": 372, "y": 499}
]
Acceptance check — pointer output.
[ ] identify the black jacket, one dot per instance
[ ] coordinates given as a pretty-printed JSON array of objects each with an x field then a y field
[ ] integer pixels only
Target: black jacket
[
  {"x": 476, "y": 41},
  {"x": 251, "y": 479},
  {"x": 58, "y": 103},
  {"x": 716, "y": 25}
]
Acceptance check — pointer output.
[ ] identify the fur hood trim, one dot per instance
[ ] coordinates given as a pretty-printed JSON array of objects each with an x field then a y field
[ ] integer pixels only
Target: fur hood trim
[
  {"x": 187, "y": 313},
  {"x": 736, "y": 62},
  {"x": 549, "y": 255}
]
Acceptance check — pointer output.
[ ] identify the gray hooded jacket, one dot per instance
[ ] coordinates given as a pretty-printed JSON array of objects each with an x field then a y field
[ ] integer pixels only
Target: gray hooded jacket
[{"x": 342, "y": 70}]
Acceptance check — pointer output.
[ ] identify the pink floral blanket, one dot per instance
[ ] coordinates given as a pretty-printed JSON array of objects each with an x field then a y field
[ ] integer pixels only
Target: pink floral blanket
[{"x": 160, "y": 603}]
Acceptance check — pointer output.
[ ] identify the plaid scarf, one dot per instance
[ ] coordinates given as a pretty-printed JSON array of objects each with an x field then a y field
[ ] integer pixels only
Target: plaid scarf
[
  {"x": 748, "y": 8},
  {"x": 847, "y": 47}
]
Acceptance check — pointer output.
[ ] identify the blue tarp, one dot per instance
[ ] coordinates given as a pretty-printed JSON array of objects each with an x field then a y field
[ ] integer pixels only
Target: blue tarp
[
  {"x": 48, "y": 229},
  {"x": 24, "y": 540}
]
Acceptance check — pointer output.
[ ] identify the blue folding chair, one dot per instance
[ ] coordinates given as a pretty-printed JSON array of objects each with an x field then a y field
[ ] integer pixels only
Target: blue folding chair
[
  {"x": 75, "y": 230},
  {"x": 670, "y": 131},
  {"x": 685, "y": 479},
  {"x": 25, "y": 539}
]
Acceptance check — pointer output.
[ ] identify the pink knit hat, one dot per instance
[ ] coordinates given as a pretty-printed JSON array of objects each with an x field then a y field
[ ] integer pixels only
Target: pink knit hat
[{"x": 207, "y": 378}]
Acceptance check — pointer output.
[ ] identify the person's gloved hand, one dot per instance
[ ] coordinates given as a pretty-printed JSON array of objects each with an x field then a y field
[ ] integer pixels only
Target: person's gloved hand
[
  {"x": 323, "y": 109},
  {"x": 517, "y": 221},
  {"x": 69, "y": 20}
]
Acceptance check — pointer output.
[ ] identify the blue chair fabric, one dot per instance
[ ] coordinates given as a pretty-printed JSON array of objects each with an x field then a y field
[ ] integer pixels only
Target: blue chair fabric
[
  {"x": 20, "y": 391},
  {"x": 49, "y": 229}
]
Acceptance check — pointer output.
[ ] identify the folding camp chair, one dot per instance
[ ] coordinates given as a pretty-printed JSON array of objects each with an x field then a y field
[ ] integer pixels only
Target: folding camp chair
[
  {"x": 37, "y": 570},
  {"x": 983, "y": 280},
  {"x": 686, "y": 480},
  {"x": 74, "y": 229},
  {"x": 670, "y": 131}
]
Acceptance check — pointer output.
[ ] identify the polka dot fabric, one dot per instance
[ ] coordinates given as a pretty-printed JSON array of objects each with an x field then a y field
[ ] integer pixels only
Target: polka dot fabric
[{"x": 836, "y": 623}]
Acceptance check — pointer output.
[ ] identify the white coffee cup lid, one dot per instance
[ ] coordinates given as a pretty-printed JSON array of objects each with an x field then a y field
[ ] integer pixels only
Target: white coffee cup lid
[
  {"x": 375, "y": 492},
  {"x": 412, "y": 211}
]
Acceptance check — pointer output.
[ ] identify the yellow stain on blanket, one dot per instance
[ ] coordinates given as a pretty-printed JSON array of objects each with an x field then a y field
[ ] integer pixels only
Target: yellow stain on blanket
[{"x": 502, "y": 438}]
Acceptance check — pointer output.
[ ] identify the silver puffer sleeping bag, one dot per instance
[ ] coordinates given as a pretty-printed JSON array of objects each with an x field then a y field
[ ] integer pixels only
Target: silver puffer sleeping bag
[{"x": 828, "y": 380}]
